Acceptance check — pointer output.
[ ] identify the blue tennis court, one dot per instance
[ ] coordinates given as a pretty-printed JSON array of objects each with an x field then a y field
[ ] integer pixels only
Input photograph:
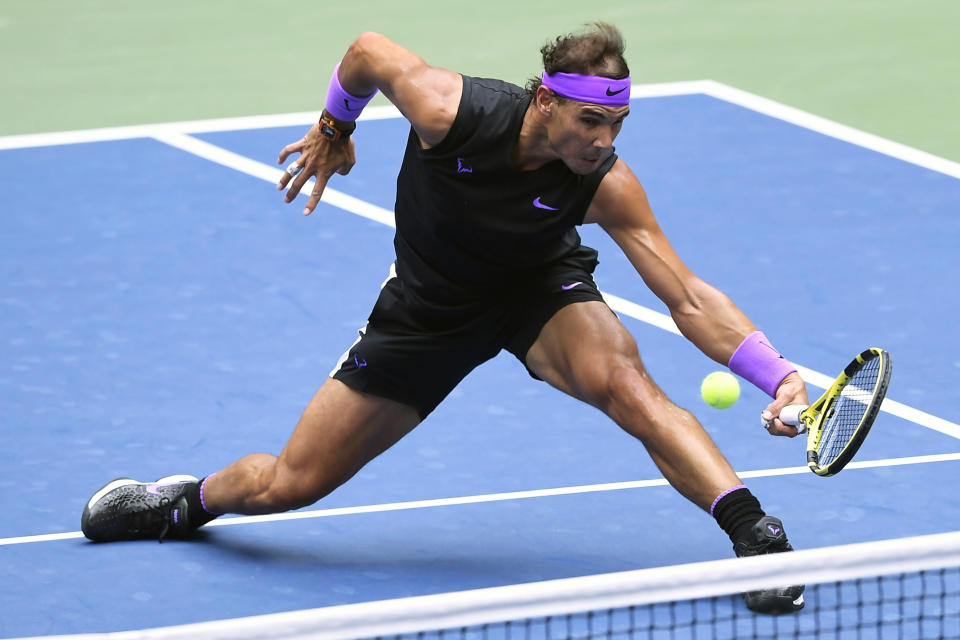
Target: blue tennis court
[{"x": 162, "y": 312}]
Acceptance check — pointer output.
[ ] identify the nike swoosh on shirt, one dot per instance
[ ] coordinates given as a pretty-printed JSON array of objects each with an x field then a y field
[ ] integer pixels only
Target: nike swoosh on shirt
[
  {"x": 540, "y": 205},
  {"x": 567, "y": 287}
]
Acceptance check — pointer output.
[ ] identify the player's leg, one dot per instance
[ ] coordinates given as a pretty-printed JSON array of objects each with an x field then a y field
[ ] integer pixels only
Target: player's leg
[
  {"x": 340, "y": 431},
  {"x": 586, "y": 352},
  {"x": 392, "y": 377}
]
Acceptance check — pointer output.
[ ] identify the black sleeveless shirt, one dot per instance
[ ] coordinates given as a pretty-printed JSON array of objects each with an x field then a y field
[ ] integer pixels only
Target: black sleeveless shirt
[{"x": 470, "y": 227}]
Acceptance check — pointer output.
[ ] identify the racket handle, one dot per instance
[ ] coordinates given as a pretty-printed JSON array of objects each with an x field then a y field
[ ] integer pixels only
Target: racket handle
[{"x": 790, "y": 415}]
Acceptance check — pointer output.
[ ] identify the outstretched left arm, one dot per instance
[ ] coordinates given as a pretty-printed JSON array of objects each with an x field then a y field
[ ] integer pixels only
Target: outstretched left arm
[{"x": 704, "y": 314}]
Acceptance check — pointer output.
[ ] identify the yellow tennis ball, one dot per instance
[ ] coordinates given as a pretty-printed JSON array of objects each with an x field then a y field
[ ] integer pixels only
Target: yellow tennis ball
[{"x": 720, "y": 389}]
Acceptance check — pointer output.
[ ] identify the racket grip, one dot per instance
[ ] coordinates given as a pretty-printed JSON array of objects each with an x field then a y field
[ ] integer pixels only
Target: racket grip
[{"x": 791, "y": 414}]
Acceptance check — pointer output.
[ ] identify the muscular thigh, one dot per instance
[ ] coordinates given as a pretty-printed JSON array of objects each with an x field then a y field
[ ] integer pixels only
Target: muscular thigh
[
  {"x": 339, "y": 432},
  {"x": 579, "y": 347}
]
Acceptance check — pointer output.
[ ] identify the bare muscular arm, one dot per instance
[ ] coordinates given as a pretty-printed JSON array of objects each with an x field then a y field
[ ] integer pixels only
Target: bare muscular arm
[
  {"x": 704, "y": 314},
  {"x": 427, "y": 96}
]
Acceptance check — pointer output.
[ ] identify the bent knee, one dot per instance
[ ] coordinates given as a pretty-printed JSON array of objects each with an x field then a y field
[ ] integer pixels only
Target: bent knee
[{"x": 630, "y": 397}]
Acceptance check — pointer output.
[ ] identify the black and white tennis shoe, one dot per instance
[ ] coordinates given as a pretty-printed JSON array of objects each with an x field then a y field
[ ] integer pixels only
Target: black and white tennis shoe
[
  {"x": 769, "y": 537},
  {"x": 125, "y": 509}
]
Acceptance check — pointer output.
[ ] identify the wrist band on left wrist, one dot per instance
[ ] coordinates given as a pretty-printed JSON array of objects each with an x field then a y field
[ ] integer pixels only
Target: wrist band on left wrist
[{"x": 341, "y": 104}]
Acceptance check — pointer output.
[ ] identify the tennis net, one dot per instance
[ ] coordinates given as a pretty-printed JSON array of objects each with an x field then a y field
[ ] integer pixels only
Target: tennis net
[{"x": 904, "y": 588}]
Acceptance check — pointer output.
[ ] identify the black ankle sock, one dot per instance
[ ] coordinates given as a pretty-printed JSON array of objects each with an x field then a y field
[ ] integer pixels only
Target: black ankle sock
[
  {"x": 736, "y": 511},
  {"x": 197, "y": 514}
]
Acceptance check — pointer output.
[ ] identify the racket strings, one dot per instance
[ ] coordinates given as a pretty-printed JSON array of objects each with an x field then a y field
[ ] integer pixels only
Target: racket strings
[{"x": 847, "y": 414}]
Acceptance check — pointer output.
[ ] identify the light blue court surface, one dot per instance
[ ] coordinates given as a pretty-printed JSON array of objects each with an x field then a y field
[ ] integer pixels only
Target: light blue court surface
[{"x": 161, "y": 313}]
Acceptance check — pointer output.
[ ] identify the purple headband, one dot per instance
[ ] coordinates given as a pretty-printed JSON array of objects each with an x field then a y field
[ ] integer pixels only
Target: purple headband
[{"x": 594, "y": 89}]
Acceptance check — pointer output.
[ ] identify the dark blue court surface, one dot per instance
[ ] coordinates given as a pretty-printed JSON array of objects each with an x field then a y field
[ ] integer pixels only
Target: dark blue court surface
[{"x": 160, "y": 313}]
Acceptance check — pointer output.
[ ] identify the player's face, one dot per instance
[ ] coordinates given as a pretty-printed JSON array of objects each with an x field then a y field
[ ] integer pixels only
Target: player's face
[{"x": 583, "y": 133}]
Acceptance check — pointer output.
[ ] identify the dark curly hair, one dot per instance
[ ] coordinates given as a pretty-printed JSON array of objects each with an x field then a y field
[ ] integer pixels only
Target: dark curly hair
[{"x": 597, "y": 51}]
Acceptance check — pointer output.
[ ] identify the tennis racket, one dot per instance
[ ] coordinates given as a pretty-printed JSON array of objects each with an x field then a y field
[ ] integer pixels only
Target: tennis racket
[{"x": 840, "y": 419}]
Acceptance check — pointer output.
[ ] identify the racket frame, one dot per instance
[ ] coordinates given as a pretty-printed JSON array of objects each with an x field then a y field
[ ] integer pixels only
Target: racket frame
[{"x": 815, "y": 415}]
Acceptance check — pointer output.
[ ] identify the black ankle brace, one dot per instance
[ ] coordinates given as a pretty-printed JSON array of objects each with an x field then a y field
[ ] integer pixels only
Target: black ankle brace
[
  {"x": 197, "y": 514},
  {"x": 736, "y": 512}
]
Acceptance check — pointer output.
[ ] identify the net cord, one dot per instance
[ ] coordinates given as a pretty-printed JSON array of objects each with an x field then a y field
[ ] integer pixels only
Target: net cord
[{"x": 572, "y": 595}]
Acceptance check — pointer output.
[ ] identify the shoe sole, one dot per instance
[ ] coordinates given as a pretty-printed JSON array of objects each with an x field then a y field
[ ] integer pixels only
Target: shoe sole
[{"x": 775, "y": 606}]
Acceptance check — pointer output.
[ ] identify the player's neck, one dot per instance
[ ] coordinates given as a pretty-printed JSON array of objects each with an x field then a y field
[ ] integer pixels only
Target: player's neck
[{"x": 533, "y": 146}]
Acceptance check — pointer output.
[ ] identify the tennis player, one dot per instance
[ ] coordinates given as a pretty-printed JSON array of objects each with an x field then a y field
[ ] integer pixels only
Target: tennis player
[{"x": 494, "y": 181}]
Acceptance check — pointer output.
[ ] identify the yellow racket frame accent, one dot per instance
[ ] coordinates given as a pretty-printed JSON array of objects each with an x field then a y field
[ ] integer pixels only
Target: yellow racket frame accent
[{"x": 814, "y": 415}]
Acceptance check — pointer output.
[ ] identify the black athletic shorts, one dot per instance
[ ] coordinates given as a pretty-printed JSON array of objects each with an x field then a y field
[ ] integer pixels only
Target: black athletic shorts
[{"x": 416, "y": 354}]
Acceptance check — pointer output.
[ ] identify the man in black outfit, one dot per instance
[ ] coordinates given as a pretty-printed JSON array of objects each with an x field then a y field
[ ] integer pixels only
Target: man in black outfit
[{"x": 494, "y": 181}]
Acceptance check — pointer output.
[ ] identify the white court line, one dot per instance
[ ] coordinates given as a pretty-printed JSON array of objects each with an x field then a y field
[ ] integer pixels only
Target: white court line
[
  {"x": 815, "y": 378},
  {"x": 502, "y": 497},
  {"x": 712, "y": 88},
  {"x": 190, "y": 126},
  {"x": 378, "y": 112},
  {"x": 829, "y": 127},
  {"x": 271, "y": 174}
]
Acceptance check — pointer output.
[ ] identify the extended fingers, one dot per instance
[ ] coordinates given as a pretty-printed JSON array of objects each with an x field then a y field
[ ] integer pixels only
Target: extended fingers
[
  {"x": 293, "y": 147},
  {"x": 296, "y": 185},
  {"x": 292, "y": 171},
  {"x": 318, "y": 187},
  {"x": 294, "y": 168},
  {"x": 776, "y": 427},
  {"x": 319, "y": 158}
]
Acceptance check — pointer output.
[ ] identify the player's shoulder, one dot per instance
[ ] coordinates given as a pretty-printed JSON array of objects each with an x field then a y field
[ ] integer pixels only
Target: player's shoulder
[
  {"x": 619, "y": 194},
  {"x": 489, "y": 113},
  {"x": 490, "y": 94},
  {"x": 619, "y": 182}
]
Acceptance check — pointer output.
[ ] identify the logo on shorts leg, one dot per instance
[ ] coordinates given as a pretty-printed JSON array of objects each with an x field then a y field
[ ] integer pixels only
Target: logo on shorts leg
[
  {"x": 463, "y": 167},
  {"x": 360, "y": 362}
]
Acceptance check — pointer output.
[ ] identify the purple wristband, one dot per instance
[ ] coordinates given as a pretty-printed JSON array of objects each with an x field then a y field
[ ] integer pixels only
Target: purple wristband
[
  {"x": 757, "y": 361},
  {"x": 342, "y": 105}
]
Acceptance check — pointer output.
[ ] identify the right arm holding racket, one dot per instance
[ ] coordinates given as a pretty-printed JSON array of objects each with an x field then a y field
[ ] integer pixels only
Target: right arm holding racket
[
  {"x": 427, "y": 96},
  {"x": 704, "y": 315},
  {"x": 836, "y": 423}
]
